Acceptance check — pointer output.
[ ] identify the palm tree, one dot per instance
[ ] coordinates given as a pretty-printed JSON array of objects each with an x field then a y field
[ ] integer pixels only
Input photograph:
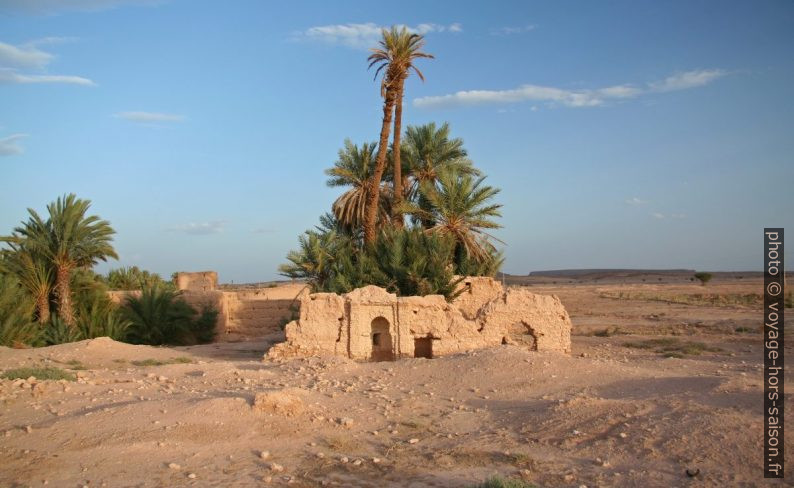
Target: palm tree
[
  {"x": 34, "y": 274},
  {"x": 459, "y": 206},
  {"x": 398, "y": 49},
  {"x": 68, "y": 239},
  {"x": 406, "y": 51},
  {"x": 353, "y": 169},
  {"x": 429, "y": 150}
]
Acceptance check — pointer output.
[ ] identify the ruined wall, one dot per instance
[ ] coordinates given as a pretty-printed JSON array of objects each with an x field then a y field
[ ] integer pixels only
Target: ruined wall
[
  {"x": 199, "y": 281},
  {"x": 243, "y": 314},
  {"x": 370, "y": 323}
]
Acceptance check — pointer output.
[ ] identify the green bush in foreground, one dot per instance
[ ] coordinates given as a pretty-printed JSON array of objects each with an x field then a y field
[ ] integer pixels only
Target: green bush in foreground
[{"x": 47, "y": 373}]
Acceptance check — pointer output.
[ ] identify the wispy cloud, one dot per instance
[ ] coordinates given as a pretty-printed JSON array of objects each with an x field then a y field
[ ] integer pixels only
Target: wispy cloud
[
  {"x": 39, "y": 7},
  {"x": 149, "y": 117},
  {"x": 510, "y": 31},
  {"x": 674, "y": 216},
  {"x": 201, "y": 228},
  {"x": 11, "y": 76},
  {"x": 9, "y": 145},
  {"x": 362, "y": 36},
  {"x": 28, "y": 56},
  {"x": 634, "y": 201},
  {"x": 570, "y": 98}
]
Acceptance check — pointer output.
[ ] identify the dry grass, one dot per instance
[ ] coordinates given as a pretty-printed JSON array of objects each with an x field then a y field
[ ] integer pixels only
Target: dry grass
[
  {"x": 48, "y": 373},
  {"x": 158, "y": 362},
  {"x": 750, "y": 300},
  {"x": 672, "y": 347}
]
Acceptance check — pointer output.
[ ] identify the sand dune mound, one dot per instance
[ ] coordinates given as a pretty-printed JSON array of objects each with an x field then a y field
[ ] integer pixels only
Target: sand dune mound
[{"x": 99, "y": 352}]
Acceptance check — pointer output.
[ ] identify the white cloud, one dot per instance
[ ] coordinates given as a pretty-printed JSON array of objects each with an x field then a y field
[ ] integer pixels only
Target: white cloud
[
  {"x": 362, "y": 36},
  {"x": 635, "y": 201},
  {"x": 9, "y": 145},
  {"x": 689, "y": 79},
  {"x": 57, "y": 6},
  {"x": 201, "y": 228},
  {"x": 509, "y": 31},
  {"x": 569, "y": 98},
  {"x": 11, "y": 76},
  {"x": 29, "y": 57},
  {"x": 658, "y": 215},
  {"x": 148, "y": 117},
  {"x": 24, "y": 56}
]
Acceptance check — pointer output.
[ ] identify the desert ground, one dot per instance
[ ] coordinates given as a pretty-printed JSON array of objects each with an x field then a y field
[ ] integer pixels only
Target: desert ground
[{"x": 663, "y": 389}]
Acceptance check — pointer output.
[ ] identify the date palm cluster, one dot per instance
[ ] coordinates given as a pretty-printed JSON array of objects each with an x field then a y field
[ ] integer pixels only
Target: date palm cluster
[{"x": 424, "y": 174}]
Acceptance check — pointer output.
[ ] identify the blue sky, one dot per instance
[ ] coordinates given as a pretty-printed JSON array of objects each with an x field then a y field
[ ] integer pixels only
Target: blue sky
[{"x": 622, "y": 134}]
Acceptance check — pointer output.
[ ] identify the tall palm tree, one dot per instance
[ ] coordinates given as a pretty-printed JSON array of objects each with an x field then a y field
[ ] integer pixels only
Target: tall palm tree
[
  {"x": 33, "y": 272},
  {"x": 460, "y": 206},
  {"x": 395, "y": 56},
  {"x": 407, "y": 50},
  {"x": 69, "y": 239},
  {"x": 354, "y": 168}
]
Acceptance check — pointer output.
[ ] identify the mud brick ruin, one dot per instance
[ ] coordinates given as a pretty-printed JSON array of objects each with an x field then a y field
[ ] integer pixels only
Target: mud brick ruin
[{"x": 372, "y": 324}]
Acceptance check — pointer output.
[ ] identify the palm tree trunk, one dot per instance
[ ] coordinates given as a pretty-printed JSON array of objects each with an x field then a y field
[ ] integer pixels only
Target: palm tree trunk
[
  {"x": 397, "y": 215},
  {"x": 63, "y": 293},
  {"x": 43, "y": 308},
  {"x": 373, "y": 192}
]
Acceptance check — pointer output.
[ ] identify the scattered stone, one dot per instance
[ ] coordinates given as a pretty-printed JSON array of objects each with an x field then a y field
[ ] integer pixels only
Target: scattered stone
[
  {"x": 276, "y": 468},
  {"x": 192, "y": 476},
  {"x": 692, "y": 472},
  {"x": 623, "y": 435},
  {"x": 413, "y": 441},
  {"x": 344, "y": 459},
  {"x": 346, "y": 421},
  {"x": 357, "y": 462},
  {"x": 174, "y": 466},
  {"x": 264, "y": 454}
]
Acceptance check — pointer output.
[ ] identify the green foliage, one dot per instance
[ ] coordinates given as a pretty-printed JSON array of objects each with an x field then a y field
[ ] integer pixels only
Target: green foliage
[
  {"x": 353, "y": 169},
  {"x": 47, "y": 373},
  {"x": 497, "y": 482},
  {"x": 703, "y": 277},
  {"x": 17, "y": 328},
  {"x": 404, "y": 261},
  {"x": 57, "y": 331},
  {"x": 158, "y": 362},
  {"x": 159, "y": 316},
  {"x": 133, "y": 278}
]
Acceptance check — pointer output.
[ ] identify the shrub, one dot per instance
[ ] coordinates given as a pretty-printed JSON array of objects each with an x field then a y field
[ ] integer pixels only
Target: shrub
[
  {"x": 133, "y": 278},
  {"x": 159, "y": 316},
  {"x": 47, "y": 373},
  {"x": 703, "y": 277},
  {"x": 497, "y": 482},
  {"x": 404, "y": 261}
]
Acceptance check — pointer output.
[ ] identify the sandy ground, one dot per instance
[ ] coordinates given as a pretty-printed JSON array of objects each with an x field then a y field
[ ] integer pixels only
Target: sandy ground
[{"x": 608, "y": 415}]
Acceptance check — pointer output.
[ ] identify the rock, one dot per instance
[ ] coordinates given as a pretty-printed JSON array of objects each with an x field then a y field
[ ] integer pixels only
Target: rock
[
  {"x": 413, "y": 441},
  {"x": 174, "y": 466},
  {"x": 276, "y": 468},
  {"x": 692, "y": 472},
  {"x": 623, "y": 435},
  {"x": 192, "y": 476},
  {"x": 346, "y": 421},
  {"x": 264, "y": 454}
]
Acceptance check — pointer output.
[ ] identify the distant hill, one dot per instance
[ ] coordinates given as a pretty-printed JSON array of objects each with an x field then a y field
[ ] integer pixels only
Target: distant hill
[{"x": 611, "y": 272}]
